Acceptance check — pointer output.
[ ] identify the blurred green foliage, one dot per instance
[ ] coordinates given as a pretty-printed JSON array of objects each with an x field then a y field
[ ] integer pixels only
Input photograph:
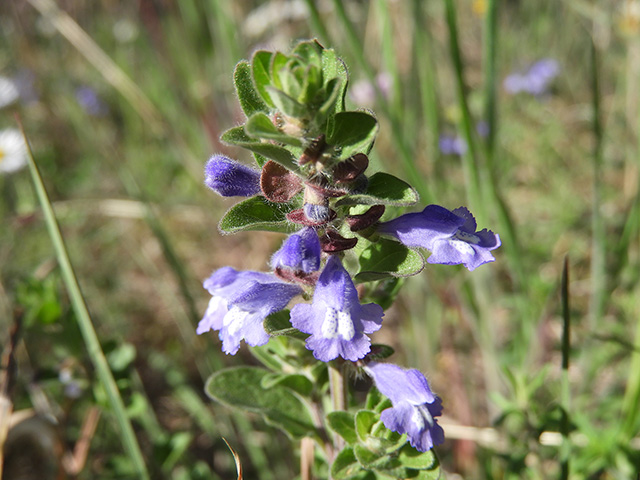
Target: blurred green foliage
[{"x": 141, "y": 229}]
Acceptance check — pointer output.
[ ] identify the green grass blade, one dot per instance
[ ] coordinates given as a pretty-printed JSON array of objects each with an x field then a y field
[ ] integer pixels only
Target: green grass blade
[
  {"x": 317, "y": 24},
  {"x": 565, "y": 450},
  {"x": 129, "y": 441},
  {"x": 598, "y": 245}
]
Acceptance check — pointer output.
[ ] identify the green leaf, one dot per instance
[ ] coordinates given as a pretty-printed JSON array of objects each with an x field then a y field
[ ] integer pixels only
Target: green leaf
[
  {"x": 384, "y": 189},
  {"x": 296, "y": 382},
  {"x": 278, "y": 62},
  {"x": 333, "y": 67},
  {"x": 331, "y": 94},
  {"x": 278, "y": 324},
  {"x": 431, "y": 474},
  {"x": 257, "y": 213},
  {"x": 310, "y": 52},
  {"x": 354, "y": 131},
  {"x": 287, "y": 104},
  {"x": 241, "y": 388},
  {"x": 260, "y": 125},
  {"x": 388, "y": 258},
  {"x": 343, "y": 423},
  {"x": 237, "y": 136},
  {"x": 364, "y": 422},
  {"x": 345, "y": 465},
  {"x": 412, "y": 458},
  {"x": 261, "y": 70},
  {"x": 248, "y": 96},
  {"x": 311, "y": 84}
]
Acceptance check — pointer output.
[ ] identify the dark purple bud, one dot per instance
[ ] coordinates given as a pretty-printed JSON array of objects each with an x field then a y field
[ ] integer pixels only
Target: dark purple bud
[
  {"x": 277, "y": 183},
  {"x": 317, "y": 213},
  {"x": 333, "y": 242},
  {"x": 299, "y": 252},
  {"x": 348, "y": 170},
  {"x": 229, "y": 178},
  {"x": 362, "y": 221}
]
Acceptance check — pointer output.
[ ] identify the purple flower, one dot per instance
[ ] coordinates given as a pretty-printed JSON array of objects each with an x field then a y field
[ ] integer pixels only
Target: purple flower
[
  {"x": 336, "y": 320},
  {"x": 240, "y": 302},
  {"x": 91, "y": 102},
  {"x": 229, "y": 178},
  {"x": 414, "y": 404},
  {"x": 535, "y": 80},
  {"x": 450, "y": 236},
  {"x": 450, "y": 145},
  {"x": 301, "y": 251}
]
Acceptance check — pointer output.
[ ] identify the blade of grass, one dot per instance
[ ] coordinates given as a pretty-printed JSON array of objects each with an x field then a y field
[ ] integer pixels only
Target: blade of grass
[
  {"x": 565, "y": 450},
  {"x": 317, "y": 25},
  {"x": 85, "y": 325},
  {"x": 112, "y": 73},
  {"x": 490, "y": 43},
  {"x": 423, "y": 54},
  {"x": 598, "y": 244}
]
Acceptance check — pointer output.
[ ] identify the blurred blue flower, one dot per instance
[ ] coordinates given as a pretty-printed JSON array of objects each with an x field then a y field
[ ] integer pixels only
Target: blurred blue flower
[
  {"x": 482, "y": 129},
  {"x": 336, "y": 320},
  {"x": 414, "y": 404},
  {"x": 450, "y": 236},
  {"x": 229, "y": 178},
  {"x": 300, "y": 252},
  {"x": 91, "y": 102},
  {"x": 240, "y": 301},
  {"x": 452, "y": 145},
  {"x": 535, "y": 80}
]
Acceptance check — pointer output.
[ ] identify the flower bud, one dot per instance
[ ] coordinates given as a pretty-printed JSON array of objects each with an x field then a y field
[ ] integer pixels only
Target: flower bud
[{"x": 229, "y": 178}]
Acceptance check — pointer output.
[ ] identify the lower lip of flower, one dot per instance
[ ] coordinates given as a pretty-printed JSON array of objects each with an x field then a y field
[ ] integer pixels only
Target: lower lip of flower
[{"x": 337, "y": 323}]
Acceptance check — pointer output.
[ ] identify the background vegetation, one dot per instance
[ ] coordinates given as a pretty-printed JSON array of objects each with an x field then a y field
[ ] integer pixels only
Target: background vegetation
[{"x": 557, "y": 177}]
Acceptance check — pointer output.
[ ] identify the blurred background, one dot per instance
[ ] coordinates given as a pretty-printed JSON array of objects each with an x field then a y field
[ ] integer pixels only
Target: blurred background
[{"x": 526, "y": 112}]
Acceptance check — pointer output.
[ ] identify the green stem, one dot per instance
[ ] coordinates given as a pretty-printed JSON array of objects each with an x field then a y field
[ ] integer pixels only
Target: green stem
[
  {"x": 338, "y": 396},
  {"x": 89, "y": 335}
]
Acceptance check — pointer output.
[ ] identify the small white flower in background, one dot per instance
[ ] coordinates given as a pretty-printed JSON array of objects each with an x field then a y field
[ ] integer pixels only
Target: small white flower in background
[
  {"x": 9, "y": 92},
  {"x": 13, "y": 150}
]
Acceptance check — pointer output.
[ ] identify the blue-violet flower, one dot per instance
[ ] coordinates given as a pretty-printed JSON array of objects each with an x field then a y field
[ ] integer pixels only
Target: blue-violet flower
[
  {"x": 336, "y": 320},
  {"x": 414, "y": 404},
  {"x": 229, "y": 178},
  {"x": 300, "y": 252},
  {"x": 450, "y": 236},
  {"x": 240, "y": 302}
]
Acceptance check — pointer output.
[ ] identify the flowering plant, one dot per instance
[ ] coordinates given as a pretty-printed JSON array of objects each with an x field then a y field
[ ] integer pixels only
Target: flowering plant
[{"x": 339, "y": 268}]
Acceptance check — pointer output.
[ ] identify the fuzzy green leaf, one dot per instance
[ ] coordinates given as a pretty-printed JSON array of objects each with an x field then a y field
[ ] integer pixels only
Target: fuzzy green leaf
[
  {"x": 383, "y": 189},
  {"x": 343, "y": 423},
  {"x": 237, "y": 136},
  {"x": 364, "y": 422},
  {"x": 287, "y": 104},
  {"x": 249, "y": 98},
  {"x": 388, "y": 258},
  {"x": 345, "y": 465},
  {"x": 354, "y": 131},
  {"x": 261, "y": 71},
  {"x": 333, "y": 67},
  {"x": 296, "y": 382},
  {"x": 278, "y": 63},
  {"x": 278, "y": 324},
  {"x": 241, "y": 388},
  {"x": 260, "y": 125},
  {"x": 257, "y": 213},
  {"x": 412, "y": 458}
]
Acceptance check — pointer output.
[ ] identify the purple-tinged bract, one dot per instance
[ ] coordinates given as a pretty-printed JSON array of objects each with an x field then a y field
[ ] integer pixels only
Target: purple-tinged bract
[
  {"x": 450, "y": 236},
  {"x": 300, "y": 252},
  {"x": 240, "y": 301},
  {"x": 336, "y": 320},
  {"x": 229, "y": 178},
  {"x": 414, "y": 404}
]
